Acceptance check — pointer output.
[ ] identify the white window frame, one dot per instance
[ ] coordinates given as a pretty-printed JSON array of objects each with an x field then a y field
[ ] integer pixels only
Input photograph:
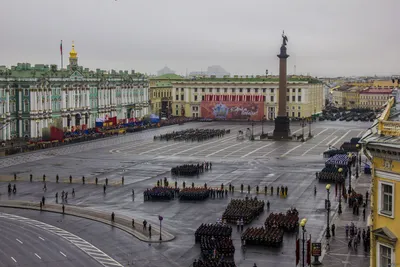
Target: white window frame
[
  {"x": 380, "y": 198},
  {"x": 378, "y": 253}
]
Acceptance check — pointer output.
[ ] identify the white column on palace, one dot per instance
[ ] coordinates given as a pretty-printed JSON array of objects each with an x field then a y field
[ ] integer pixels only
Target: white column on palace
[
  {"x": 20, "y": 103},
  {"x": 20, "y": 128},
  {"x": 7, "y": 101},
  {"x": 87, "y": 98}
]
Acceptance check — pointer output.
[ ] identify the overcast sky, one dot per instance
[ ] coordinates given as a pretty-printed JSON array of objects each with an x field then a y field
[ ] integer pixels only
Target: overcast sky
[{"x": 337, "y": 37}]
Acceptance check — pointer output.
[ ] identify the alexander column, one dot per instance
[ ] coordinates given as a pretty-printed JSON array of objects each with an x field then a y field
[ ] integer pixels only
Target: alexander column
[{"x": 282, "y": 122}]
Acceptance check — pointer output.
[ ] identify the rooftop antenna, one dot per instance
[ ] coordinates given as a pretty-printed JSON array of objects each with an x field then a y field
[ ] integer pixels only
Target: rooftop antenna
[{"x": 294, "y": 70}]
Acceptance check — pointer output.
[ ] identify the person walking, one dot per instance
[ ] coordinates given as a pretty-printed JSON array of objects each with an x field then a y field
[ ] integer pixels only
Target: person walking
[
  {"x": 333, "y": 230},
  {"x": 73, "y": 192},
  {"x": 241, "y": 224},
  {"x": 149, "y": 230},
  {"x": 364, "y": 214},
  {"x": 347, "y": 230},
  {"x": 238, "y": 224}
]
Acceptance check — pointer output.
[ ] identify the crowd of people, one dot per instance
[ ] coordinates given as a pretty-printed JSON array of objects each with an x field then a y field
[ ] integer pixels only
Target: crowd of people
[
  {"x": 288, "y": 222},
  {"x": 330, "y": 174},
  {"x": 159, "y": 193},
  {"x": 354, "y": 236},
  {"x": 192, "y": 135},
  {"x": 223, "y": 246},
  {"x": 265, "y": 236},
  {"x": 221, "y": 262},
  {"x": 194, "y": 193},
  {"x": 191, "y": 169},
  {"x": 216, "y": 230},
  {"x": 243, "y": 209}
]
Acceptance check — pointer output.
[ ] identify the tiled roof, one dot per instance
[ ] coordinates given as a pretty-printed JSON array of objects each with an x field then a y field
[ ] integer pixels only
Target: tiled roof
[{"x": 377, "y": 91}]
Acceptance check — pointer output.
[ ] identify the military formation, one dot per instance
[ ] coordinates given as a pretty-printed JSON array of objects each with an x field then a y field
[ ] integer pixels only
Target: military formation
[
  {"x": 193, "y": 135},
  {"x": 243, "y": 209},
  {"x": 216, "y": 230},
  {"x": 330, "y": 174},
  {"x": 191, "y": 169},
  {"x": 211, "y": 245},
  {"x": 217, "y": 262},
  {"x": 270, "y": 237},
  {"x": 160, "y": 193},
  {"x": 195, "y": 193},
  {"x": 289, "y": 222}
]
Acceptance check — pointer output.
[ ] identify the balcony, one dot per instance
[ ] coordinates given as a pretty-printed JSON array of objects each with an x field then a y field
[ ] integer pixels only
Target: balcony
[{"x": 386, "y": 126}]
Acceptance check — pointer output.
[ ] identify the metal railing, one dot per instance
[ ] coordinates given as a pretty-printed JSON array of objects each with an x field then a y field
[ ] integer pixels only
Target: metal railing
[{"x": 385, "y": 127}]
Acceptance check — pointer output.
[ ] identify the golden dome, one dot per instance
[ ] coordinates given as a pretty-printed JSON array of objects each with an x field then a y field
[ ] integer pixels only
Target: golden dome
[{"x": 73, "y": 53}]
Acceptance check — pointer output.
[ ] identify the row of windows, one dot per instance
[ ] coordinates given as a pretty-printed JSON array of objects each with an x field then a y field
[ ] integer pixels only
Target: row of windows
[
  {"x": 161, "y": 94},
  {"x": 264, "y": 98},
  {"x": 375, "y": 97},
  {"x": 233, "y": 90}
]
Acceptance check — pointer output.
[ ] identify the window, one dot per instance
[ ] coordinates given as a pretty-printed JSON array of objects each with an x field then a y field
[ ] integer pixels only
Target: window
[
  {"x": 298, "y": 115},
  {"x": 264, "y": 98},
  {"x": 293, "y": 90},
  {"x": 299, "y": 107},
  {"x": 241, "y": 90},
  {"x": 385, "y": 256},
  {"x": 293, "y": 114},
  {"x": 202, "y": 98},
  {"x": 177, "y": 97},
  {"x": 385, "y": 198},
  {"x": 26, "y": 92},
  {"x": 256, "y": 90},
  {"x": 217, "y": 90},
  {"x": 195, "y": 98},
  {"x": 195, "y": 90},
  {"x": 287, "y": 98},
  {"x": 248, "y": 90},
  {"x": 299, "y": 98},
  {"x": 26, "y": 126},
  {"x": 202, "y": 90},
  {"x": 293, "y": 98},
  {"x": 264, "y": 90},
  {"x": 272, "y": 90},
  {"x": 210, "y": 90},
  {"x": 225, "y": 90},
  {"x": 272, "y": 98},
  {"x": 181, "y": 97},
  {"x": 26, "y": 106},
  {"x": 181, "y": 89},
  {"x": 233, "y": 90}
]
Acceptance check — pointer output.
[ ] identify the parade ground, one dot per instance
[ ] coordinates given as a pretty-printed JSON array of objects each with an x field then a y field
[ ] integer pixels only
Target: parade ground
[{"x": 142, "y": 161}]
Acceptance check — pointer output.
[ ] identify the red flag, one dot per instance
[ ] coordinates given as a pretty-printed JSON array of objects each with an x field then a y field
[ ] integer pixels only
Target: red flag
[
  {"x": 309, "y": 251},
  {"x": 61, "y": 50},
  {"x": 297, "y": 251}
]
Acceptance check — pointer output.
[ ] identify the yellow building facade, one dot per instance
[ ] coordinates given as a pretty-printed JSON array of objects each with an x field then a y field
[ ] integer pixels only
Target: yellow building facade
[
  {"x": 304, "y": 95},
  {"x": 382, "y": 146},
  {"x": 347, "y": 96},
  {"x": 160, "y": 93}
]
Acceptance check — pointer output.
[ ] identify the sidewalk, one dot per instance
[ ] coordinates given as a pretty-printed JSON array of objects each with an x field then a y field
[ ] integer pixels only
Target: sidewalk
[
  {"x": 339, "y": 254},
  {"x": 122, "y": 222}
]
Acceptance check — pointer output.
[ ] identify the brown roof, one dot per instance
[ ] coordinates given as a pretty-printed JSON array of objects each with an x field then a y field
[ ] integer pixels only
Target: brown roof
[{"x": 377, "y": 91}]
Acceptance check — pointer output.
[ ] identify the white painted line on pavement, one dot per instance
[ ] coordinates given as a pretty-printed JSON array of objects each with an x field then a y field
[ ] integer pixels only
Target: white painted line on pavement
[
  {"x": 257, "y": 150},
  {"x": 41, "y": 238},
  {"x": 201, "y": 145},
  {"x": 19, "y": 241},
  {"x": 290, "y": 150},
  {"x": 147, "y": 151},
  {"x": 333, "y": 139},
  {"x": 321, "y": 132},
  {"x": 38, "y": 256},
  {"x": 358, "y": 135},
  {"x": 222, "y": 149},
  {"x": 296, "y": 131},
  {"x": 271, "y": 151},
  {"x": 63, "y": 254},
  {"x": 334, "y": 144},
  {"x": 308, "y": 150},
  {"x": 13, "y": 259}
]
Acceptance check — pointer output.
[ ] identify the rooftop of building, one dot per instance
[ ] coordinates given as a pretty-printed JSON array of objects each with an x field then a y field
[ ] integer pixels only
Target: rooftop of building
[
  {"x": 247, "y": 78},
  {"x": 385, "y": 131},
  {"x": 374, "y": 90}
]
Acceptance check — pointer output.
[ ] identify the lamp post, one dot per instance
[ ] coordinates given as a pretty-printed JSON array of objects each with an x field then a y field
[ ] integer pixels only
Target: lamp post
[
  {"x": 309, "y": 127},
  {"x": 328, "y": 208},
  {"x": 37, "y": 128},
  {"x": 349, "y": 168},
  {"x": 340, "y": 192},
  {"x": 358, "y": 149},
  {"x": 160, "y": 218},
  {"x": 303, "y": 225},
  {"x": 302, "y": 129},
  {"x": 262, "y": 125}
]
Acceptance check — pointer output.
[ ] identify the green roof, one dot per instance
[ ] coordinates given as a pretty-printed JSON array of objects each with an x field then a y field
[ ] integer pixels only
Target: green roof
[{"x": 168, "y": 76}]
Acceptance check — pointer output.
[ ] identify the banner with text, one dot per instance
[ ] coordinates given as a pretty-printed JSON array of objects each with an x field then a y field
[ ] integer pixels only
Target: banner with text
[{"x": 232, "y": 110}]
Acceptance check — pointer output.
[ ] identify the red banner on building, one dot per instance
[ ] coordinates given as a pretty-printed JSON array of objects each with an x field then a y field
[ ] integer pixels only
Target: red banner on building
[{"x": 232, "y": 110}]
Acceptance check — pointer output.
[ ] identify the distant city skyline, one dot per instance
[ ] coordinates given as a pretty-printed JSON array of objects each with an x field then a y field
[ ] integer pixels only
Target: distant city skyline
[{"x": 325, "y": 38}]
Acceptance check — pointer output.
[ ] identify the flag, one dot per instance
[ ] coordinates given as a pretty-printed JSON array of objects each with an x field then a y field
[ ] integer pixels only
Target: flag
[
  {"x": 309, "y": 251},
  {"x": 61, "y": 50}
]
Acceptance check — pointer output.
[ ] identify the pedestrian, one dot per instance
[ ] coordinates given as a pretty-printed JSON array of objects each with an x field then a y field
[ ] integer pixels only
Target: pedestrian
[
  {"x": 366, "y": 197},
  {"x": 44, "y": 187},
  {"x": 315, "y": 190},
  {"x": 238, "y": 224},
  {"x": 268, "y": 204},
  {"x": 112, "y": 217},
  {"x": 56, "y": 196},
  {"x": 144, "y": 225},
  {"x": 57, "y": 178},
  {"x": 133, "y": 223},
  {"x": 63, "y": 209},
  {"x": 62, "y": 195},
  {"x": 66, "y": 195},
  {"x": 149, "y": 230},
  {"x": 70, "y": 179},
  {"x": 43, "y": 200},
  {"x": 104, "y": 188},
  {"x": 349, "y": 243},
  {"x": 364, "y": 214},
  {"x": 265, "y": 190},
  {"x": 241, "y": 224},
  {"x": 96, "y": 180},
  {"x": 277, "y": 190},
  {"x": 347, "y": 230},
  {"x": 41, "y": 205},
  {"x": 333, "y": 230},
  {"x": 73, "y": 192}
]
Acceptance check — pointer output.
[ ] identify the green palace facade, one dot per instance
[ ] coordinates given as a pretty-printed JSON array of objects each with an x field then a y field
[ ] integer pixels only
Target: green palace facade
[{"x": 34, "y": 97}]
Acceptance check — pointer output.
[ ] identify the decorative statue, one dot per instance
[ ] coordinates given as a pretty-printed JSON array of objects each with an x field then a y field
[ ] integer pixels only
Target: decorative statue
[{"x": 284, "y": 39}]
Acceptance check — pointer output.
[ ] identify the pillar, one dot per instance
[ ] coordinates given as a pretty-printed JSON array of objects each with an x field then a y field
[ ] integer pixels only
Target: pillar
[
  {"x": 20, "y": 128},
  {"x": 20, "y": 99},
  {"x": 87, "y": 98}
]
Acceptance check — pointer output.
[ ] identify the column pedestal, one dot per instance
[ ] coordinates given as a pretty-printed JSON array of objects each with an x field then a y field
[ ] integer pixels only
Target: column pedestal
[{"x": 282, "y": 128}]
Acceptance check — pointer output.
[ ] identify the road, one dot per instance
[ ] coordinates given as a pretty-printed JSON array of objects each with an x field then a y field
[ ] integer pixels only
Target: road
[
  {"x": 23, "y": 244},
  {"x": 142, "y": 161}
]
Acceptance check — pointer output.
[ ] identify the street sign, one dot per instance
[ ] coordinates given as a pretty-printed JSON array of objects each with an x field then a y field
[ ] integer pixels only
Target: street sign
[
  {"x": 160, "y": 217},
  {"x": 316, "y": 249}
]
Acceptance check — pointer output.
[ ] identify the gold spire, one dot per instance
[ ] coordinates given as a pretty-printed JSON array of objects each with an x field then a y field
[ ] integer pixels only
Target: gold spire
[{"x": 73, "y": 53}]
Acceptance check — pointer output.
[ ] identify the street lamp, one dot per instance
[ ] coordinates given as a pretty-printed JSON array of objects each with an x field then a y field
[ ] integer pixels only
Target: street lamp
[
  {"x": 37, "y": 127},
  {"x": 303, "y": 225},
  {"x": 160, "y": 218},
  {"x": 340, "y": 192},
  {"x": 302, "y": 129},
  {"x": 349, "y": 168},
  {"x": 358, "y": 148},
  {"x": 262, "y": 125},
  {"x": 309, "y": 127},
  {"x": 328, "y": 208}
]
